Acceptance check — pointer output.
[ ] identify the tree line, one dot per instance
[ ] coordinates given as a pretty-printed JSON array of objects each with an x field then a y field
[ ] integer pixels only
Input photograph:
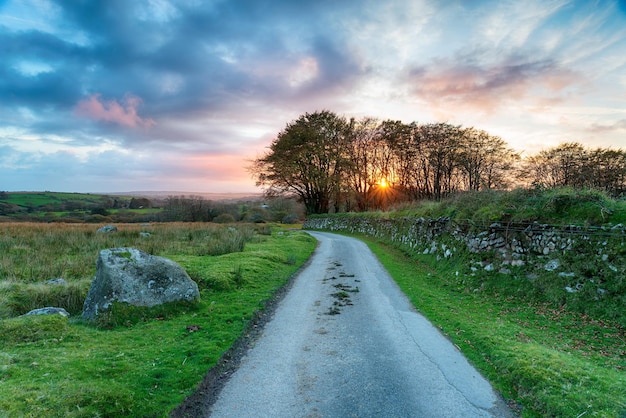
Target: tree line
[
  {"x": 199, "y": 209},
  {"x": 103, "y": 209},
  {"x": 336, "y": 164}
]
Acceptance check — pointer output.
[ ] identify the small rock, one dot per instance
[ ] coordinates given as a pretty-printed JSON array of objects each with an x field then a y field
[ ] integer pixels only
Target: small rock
[
  {"x": 144, "y": 234},
  {"x": 57, "y": 281},
  {"x": 552, "y": 265},
  {"x": 500, "y": 242},
  {"x": 48, "y": 311},
  {"x": 193, "y": 328},
  {"x": 107, "y": 228}
]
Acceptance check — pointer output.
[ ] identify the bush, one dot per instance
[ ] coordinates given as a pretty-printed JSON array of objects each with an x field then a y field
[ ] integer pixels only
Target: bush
[
  {"x": 257, "y": 215},
  {"x": 226, "y": 240},
  {"x": 224, "y": 218},
  {"x": 290, "y": 219},
  {"x": 100, "y": 211}
]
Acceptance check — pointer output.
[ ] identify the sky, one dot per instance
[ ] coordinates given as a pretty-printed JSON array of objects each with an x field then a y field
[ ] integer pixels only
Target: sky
[{"x": 180, "y": 95}]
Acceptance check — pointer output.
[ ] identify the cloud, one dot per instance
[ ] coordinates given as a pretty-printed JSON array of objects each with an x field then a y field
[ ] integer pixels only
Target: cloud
[
  {"x": 116, "y": 170},
  {"x": 470, "y": 82},
  {"x": 112, "y": 111},
  {"x": 223, "y": 77},
  {"x": 180, "y": 57},
  {"x": 618, "y": 126}
]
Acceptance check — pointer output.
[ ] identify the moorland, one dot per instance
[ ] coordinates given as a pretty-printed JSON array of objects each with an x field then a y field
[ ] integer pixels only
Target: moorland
[{"x": 547, "y": 357}]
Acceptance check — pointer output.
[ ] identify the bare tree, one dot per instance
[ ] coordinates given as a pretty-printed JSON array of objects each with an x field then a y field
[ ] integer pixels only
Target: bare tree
[
  {"x": 571, "y": 164},
  {"x": 609, "y": 170},
  {"x": 361, "y": 176},
  {"x": 485, "y": 160},
  {"x": 438, "y": 145}
]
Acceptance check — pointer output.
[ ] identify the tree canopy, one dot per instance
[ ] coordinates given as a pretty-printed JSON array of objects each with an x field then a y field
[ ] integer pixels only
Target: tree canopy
[
  {"x": 307, "y": 158},
  {"x": 333, "y": 164}
]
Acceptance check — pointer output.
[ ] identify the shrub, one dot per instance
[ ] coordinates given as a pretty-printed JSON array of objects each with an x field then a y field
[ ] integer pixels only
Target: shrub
[
  {"x": 290, "y": 219},
  {"x": 224, "y": 218},
  {"x": 257, "y": 215},
  {"x": 226, "y": 240}
]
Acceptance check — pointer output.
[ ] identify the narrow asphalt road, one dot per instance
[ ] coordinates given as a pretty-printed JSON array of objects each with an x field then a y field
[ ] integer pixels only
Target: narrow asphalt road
[{"x": 345, "y": 342}]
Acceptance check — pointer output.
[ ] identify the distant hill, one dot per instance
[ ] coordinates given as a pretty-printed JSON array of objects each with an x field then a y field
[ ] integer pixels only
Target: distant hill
[
  {"x": 135, "y": 206},
  {"x": 161, "y": 194}
]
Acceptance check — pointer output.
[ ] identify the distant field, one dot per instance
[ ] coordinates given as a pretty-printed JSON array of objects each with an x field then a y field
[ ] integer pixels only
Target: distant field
[
  {"x": 60, "y": 207},
  {"x": 210, "y": 196},
  {"x": 33, "y": 199},
  {"x": 144, "y": 207}
]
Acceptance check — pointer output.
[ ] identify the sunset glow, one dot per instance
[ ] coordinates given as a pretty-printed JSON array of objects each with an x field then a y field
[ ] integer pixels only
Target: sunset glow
[{"x": 122, "y": 96}]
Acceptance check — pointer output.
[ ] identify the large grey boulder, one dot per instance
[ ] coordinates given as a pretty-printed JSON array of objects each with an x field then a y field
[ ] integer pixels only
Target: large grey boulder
[{"x": 132, "y": 276}]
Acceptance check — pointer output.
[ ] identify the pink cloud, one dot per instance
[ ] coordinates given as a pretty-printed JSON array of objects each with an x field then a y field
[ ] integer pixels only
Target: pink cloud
[
  {"x": 488, "y": 86},
  {"x": 124, "y": 113},
  {"x": 221, "y": 166},
  {"x": 620, "y": 125}
]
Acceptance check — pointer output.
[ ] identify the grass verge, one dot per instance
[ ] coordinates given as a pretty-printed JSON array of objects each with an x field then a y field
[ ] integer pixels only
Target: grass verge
[
  {"x": 146, "y": 364},
  {"x": 546, "y": 362}
]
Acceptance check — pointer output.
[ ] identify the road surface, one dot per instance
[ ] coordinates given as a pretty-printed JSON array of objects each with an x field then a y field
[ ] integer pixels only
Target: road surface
[{"x": 346, "y": 342}]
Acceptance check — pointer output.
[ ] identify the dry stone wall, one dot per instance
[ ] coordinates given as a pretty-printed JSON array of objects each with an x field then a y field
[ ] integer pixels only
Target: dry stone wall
[{"x": 502, "y": 246}]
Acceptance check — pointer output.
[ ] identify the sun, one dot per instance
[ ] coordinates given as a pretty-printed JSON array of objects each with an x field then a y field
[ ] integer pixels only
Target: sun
[{"x": 383, "y": 183}]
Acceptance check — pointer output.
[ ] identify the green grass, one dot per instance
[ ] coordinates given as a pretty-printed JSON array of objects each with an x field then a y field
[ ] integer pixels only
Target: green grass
[
  {"x": 589, "y": 279},
  {"x": 141, "y": 362},
  {"x": 547, "y": 361},
  {"x": 552, "y": 353},
  {"x": 34, "y": 199},
  {"x": 34, "y": 253},
  {"x": 18, "y": 298},
  {"x": 555, "y": 206}
]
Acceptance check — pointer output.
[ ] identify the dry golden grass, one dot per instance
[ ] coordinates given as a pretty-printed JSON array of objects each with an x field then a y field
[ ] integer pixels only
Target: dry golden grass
[{"x": 33, "y": 253}]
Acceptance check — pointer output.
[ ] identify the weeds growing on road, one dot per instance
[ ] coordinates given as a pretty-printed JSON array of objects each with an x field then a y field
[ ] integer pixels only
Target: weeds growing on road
[{"x": 138, "y": 361}]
